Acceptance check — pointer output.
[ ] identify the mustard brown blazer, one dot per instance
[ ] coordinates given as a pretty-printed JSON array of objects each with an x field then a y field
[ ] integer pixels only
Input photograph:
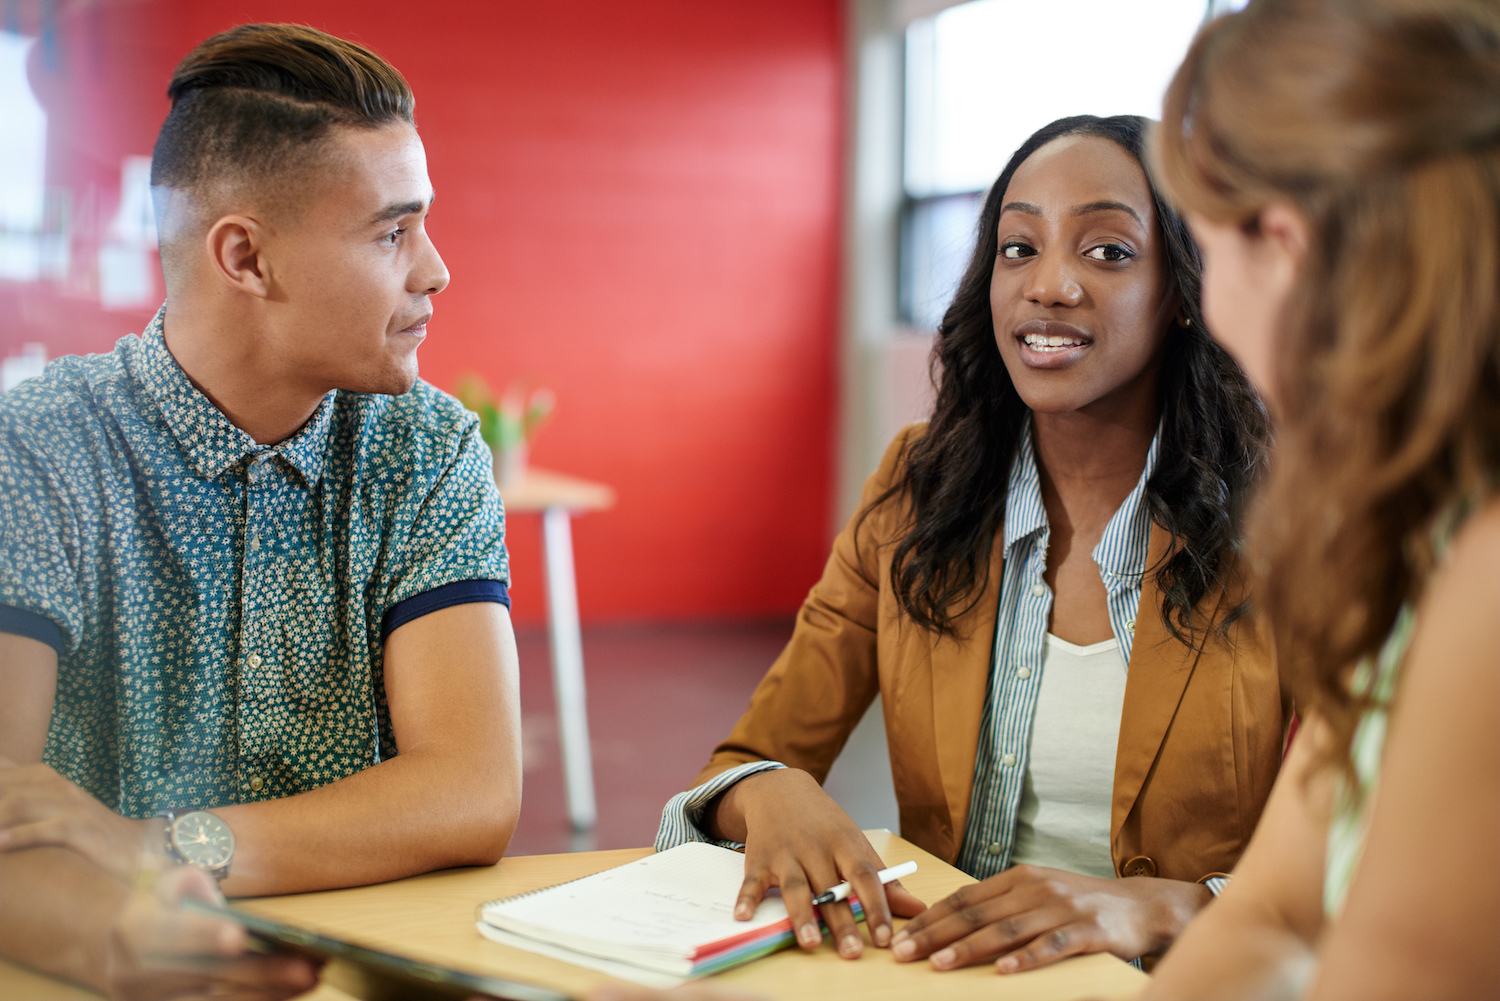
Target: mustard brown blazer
[{"x": 1200, "y": 733}]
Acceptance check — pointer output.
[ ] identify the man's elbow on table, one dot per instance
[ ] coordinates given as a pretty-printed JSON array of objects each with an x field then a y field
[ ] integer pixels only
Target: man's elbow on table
[{"x": 491, "y": 810}]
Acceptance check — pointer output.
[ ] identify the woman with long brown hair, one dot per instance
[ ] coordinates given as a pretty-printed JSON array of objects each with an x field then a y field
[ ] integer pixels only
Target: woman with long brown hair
[{"x": 1339, "y": 161}]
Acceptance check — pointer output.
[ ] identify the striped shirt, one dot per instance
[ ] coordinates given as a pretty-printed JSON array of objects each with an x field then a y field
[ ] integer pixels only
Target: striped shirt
[{"x": 1015, "y": 675}]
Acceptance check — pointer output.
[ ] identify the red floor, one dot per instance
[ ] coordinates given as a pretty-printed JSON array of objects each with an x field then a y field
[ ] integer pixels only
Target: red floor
[{"x": 660, "y": 698}]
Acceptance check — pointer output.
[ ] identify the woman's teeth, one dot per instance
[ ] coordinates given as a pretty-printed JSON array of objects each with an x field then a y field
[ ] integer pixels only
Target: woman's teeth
[{"x": 1041, "y": 342}]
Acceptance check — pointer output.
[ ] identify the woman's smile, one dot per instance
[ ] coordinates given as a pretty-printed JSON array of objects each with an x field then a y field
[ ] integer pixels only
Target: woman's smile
[{"x": 1051, "y": 343}]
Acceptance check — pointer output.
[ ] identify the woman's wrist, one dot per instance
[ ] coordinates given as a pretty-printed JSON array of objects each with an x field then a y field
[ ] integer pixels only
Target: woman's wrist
[
  {"x": 1170, "y": 904},
  {"x": 730, "y": 816}
]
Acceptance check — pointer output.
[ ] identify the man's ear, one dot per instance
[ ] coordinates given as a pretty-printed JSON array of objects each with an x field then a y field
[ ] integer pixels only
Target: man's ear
[{"x": 235, "y": 246}]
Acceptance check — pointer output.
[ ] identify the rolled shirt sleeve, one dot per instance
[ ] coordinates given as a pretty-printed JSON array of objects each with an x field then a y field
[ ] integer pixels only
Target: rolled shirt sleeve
[
  {"x": 682, "y": 817},
  {"x": 459, "y": 534},
  {"x": 39, "y": 544}
]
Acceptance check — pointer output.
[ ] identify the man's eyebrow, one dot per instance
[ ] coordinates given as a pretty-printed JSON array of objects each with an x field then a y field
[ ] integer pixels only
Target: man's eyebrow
[
  {"x": 1109, "y": 207},
  {"x": 1026, "y": 207},
  {"x": 396, "y": 210}
]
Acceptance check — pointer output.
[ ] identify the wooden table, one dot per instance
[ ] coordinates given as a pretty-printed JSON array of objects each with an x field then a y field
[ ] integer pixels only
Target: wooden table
[
  {"x": 557, "y": 498},
  {"x": 432, "y": 918}
]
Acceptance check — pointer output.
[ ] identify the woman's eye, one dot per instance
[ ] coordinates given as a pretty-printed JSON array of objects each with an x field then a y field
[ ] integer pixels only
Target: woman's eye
[
  {"x": 1108, "y": 252},
  {"x": 1015, "y": 251}
]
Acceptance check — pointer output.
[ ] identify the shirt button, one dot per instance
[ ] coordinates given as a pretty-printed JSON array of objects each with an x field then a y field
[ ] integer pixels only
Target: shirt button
[
  {"x": 257, "y": 783},
  {"x": 1038, "y": 589},
  {"x": 994, "y": 848},
  {"x": 253, "y": 660},
  {"x": 1130, "y": 625},
  {"x": 1023, "y": 673},
  {"x": 254, "y": 543},
  {"x": 1008, "y": 760}
]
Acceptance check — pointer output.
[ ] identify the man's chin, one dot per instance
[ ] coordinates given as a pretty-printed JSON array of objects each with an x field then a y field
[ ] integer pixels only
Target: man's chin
[{"x": 394, "y": 382}]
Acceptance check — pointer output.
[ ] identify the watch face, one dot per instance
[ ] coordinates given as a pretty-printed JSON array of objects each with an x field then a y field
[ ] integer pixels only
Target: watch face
[{"x": 203, "y": 839}]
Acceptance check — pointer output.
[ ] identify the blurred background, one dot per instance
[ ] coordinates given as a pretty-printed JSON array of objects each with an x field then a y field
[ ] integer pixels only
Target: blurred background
[{"x": 721, "y": 232}]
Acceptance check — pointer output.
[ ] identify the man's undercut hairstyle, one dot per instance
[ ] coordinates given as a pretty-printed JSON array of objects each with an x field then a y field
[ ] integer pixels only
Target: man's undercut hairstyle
[{"x": 260, "y": 102}]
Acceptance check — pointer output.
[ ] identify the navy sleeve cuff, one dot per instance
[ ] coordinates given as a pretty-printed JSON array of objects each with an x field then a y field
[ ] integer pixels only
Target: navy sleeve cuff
[
  {"x": 32, "y": 626},
  {"x": 461, "y": 592}
]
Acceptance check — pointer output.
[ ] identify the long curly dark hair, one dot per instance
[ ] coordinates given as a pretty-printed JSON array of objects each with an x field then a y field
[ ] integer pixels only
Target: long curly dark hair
[{"x": 954, "y": 478}]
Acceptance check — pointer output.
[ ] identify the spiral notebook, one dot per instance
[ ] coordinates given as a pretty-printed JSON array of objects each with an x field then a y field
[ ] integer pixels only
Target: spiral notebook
[{"x": 657, "y": 921}]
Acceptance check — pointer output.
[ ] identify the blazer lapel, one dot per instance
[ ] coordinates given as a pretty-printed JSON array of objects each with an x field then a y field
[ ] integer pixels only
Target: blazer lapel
[
  {"x": 1160, "y": 668},
  {"x": 960, "y": 679}
]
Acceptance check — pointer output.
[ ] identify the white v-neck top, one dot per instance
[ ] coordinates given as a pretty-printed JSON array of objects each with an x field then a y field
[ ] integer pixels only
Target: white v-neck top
[{"x": 1063, "y": 820}]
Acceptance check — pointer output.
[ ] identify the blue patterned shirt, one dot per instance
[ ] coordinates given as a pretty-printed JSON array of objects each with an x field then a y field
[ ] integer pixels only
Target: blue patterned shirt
[
  {"x": 220, "y": 607},
  {"x": 1015, "y": 675}
]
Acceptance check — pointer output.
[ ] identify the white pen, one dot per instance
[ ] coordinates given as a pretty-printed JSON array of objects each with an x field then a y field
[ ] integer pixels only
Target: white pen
[{"x": 836, "y": 893}]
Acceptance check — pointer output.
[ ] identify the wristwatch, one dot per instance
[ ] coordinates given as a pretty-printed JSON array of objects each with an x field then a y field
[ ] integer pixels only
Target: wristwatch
[{"x": 197, "y": 837}]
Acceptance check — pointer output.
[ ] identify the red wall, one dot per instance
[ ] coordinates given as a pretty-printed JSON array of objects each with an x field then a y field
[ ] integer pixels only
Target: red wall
[{"x": 639, "y": 209}]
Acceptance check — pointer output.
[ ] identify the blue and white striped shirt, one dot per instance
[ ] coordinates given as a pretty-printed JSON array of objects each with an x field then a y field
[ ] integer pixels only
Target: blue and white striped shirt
[
  {"x": 1021, "y": 639},
  {"x": 1015, "y": 674}
]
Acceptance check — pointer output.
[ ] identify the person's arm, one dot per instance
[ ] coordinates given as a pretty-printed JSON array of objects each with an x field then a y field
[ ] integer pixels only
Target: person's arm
[
  {"x": 1256, "y": 940},
  {"x": 450, "y": 797},
  {"x": 796, "y": 837},
  {"x": 1422, "y": 915},
  {"x": 62, "y": 914},
  {"x": 1029, "y": 916}
]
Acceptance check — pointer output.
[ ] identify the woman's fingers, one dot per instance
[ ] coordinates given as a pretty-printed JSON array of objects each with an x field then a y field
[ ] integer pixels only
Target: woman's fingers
[
  {"x": 841, "y": 925},
  {"x": 797, "y": 894},
  {"x": 966, "y": 901},
  {"x": 1009, "y": 918},
  {"x": 990, "y": 941},
  {"x": 159, "y": 950},
  {"x": 1059, "y": 943},
  {"x": 903, "y": 903},
  {"x": 757, "y": 882},
  {"x": 864, "y": 883}
]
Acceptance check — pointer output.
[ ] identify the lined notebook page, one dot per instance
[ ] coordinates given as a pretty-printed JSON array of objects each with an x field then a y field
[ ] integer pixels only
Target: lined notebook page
[{"x": 671, "y": 904}]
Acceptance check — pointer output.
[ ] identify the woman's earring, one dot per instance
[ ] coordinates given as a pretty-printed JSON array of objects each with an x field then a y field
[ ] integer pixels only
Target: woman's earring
[{"x": 1187, "y": 321}]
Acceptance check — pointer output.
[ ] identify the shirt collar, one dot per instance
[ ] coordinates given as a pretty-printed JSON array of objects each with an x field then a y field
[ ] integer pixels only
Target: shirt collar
[
  {"x": 1121, "y": 551},
  {"x": 213, "y": 444},
  {"x": 1024, "y": 513}
]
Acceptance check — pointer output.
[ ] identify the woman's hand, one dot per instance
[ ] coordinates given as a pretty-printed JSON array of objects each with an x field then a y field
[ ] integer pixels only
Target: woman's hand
[
  {"x": 797, "y": 838},
  {"x": 158, "y": 951},
  {"x": 40, "y": 807},
  {"x": 1029, "y": 916}
]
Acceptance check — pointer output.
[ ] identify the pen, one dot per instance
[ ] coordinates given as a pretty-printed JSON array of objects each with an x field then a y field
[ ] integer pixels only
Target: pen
[{"x": 836, "y": 893}]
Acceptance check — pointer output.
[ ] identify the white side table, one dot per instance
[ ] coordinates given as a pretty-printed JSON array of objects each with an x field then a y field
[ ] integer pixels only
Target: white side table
[{"x": 557, "y": 498}]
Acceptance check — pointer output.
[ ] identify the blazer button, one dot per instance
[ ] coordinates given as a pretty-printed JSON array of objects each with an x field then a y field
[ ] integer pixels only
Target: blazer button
[{"x": 1141, "y": 865}]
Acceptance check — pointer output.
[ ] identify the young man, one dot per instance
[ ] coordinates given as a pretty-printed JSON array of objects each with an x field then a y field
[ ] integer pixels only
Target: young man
[{"x": 253, "y": 608}]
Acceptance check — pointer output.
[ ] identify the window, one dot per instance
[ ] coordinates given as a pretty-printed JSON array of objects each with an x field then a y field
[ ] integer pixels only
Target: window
[
  {"x": 982, "y": 76},
  {"x": 23, "y": 136}
]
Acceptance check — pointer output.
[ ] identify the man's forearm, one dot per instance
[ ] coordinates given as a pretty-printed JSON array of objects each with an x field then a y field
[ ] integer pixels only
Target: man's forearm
[
  {"x": 56, "y": 913},
  {"x": 409, "y": 814}
]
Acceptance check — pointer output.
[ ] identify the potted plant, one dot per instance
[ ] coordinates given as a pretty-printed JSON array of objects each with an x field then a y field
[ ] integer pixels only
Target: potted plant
[{"x": 507, "y": 424}]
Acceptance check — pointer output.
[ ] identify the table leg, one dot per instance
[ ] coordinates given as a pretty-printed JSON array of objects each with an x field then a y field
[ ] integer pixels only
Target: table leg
[{"x": 566, "y": 641}]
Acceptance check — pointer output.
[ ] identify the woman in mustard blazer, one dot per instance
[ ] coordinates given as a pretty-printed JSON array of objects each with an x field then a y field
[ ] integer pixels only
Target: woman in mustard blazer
[{"x": 1041, "y": 585}]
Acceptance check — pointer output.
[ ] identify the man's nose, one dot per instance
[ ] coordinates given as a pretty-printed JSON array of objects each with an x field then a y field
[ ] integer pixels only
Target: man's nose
[{"x": 430, "y": 275}]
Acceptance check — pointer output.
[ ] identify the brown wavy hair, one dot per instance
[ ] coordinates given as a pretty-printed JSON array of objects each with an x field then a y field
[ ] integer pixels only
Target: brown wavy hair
[{"x": 1379, "y": 120}]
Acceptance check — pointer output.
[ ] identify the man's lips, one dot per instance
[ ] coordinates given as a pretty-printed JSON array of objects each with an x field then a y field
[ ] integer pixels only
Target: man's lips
[
  {"x": 1051, "y": 343},
  {"x": 418, "y": 329}
]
